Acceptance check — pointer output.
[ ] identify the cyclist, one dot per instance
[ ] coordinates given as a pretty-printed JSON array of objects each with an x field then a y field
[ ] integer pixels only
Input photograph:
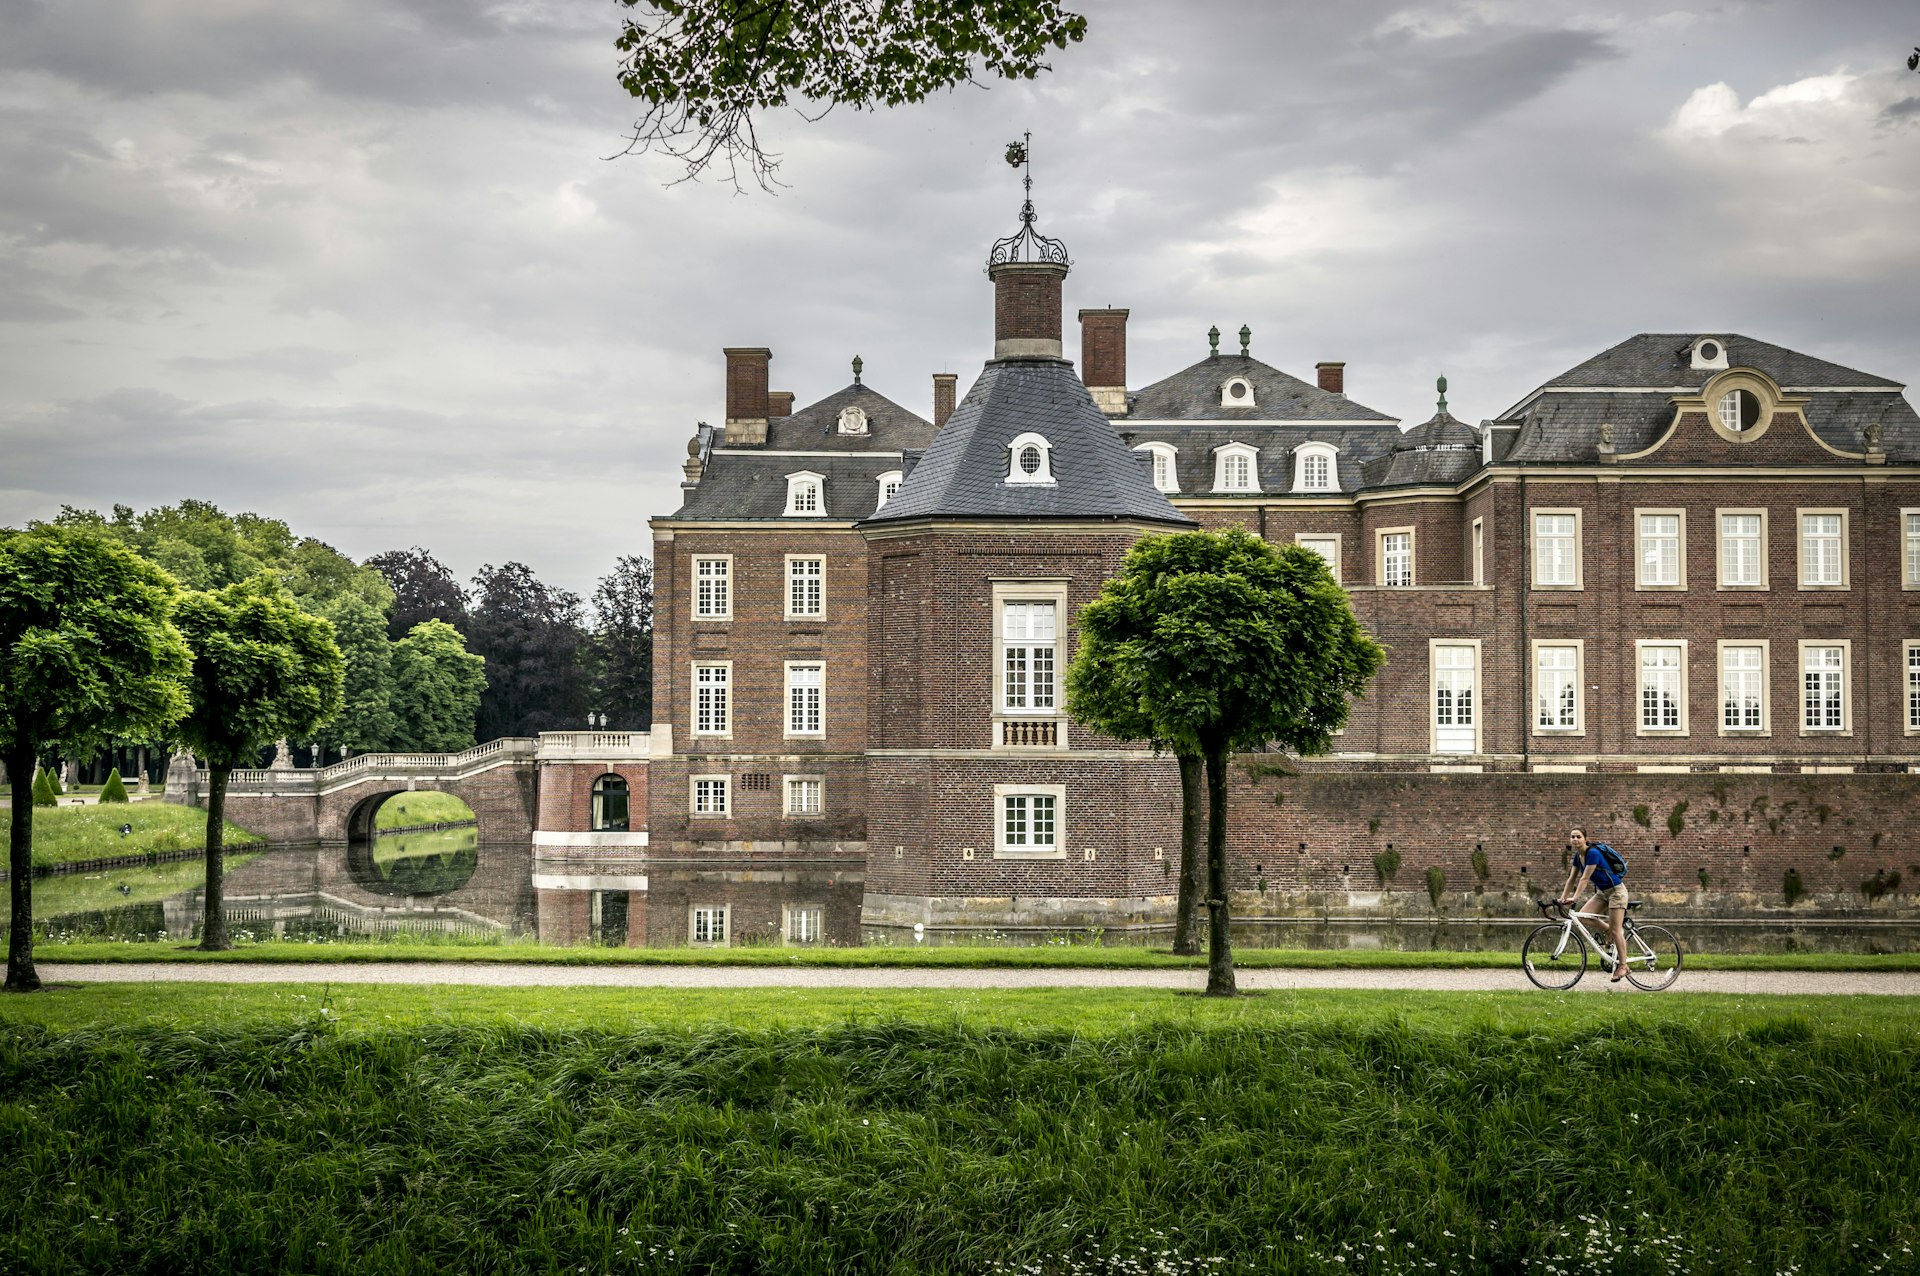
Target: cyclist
[{"x": 1589, "y": 864}]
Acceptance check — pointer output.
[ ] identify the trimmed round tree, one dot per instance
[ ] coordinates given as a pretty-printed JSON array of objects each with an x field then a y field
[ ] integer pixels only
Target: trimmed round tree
[
  {"x": 263, "y": 670},
  {"x": 87, "y": 652},
  {"x": 1216, "y": 642}
]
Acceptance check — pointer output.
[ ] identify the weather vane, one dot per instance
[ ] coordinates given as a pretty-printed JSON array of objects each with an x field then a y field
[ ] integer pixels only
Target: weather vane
[{"x": 1026, "y": 244}]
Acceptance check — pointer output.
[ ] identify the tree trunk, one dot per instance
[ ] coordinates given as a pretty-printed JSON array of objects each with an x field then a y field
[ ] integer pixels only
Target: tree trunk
[
  {"x": 1219, "y": 939},
  {"x": 21, "y": 976},
  {"x": 1193, "y": 827},
  {"x": 213, "y": 928}
]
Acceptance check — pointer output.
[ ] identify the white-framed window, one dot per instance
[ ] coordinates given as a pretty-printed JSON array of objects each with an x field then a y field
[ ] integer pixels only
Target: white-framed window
[
  {"x": 806, "y": 690},
  {"x": 1030, "y": 459},
  {"x": 1660, "y": 539},
  {"x": 1029, "y": 656},
  {"x": 805, "y": 794},
  {"x": 1327, "y": 546},
  {"x": 1558, "y": 668},
  {"x": 1910, "y": 549},
  {"x": 1166, "y": 471},
  {"x": 1824, "y": 686},
  {"x": 1743, "y": 688},
  {"x": 707, "y": 925},
  {"x": 712, "y": 795},
  {"x": 1479, "y": 552},
  {"x": 1663, "y": 686},
  {"x": 1910, "y": 658},
  {"x": 1393, "y": 550},
  {"x": 806, "y": 494},
  {"x": 1556, "y": 549},
  {"x": 806, "y": 586},
  {"x": 1455, "y": 674},
  {"x": 1709, "y": 353},
  {"x": 1823, "y": 549},
  {"x": 1743, "y": 548},
  {"x": 1739, "y": 411},
  {"x": 889, "y": 484},
  {"x": 1030, "y": 819},
  {"x": 1314, "y": 468},
  {"x": 713, "y": 587},
  {"x": 1236, "y": 392},
  {"x": 713, "y": 698},
  {"x": 804, "y": 923},
  {"x": 1236, "y": 468}
]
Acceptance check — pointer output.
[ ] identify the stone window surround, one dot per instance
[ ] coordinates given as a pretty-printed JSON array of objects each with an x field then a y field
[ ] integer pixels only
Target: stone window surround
[
  {"x": 1640, "y": 726},
  {"x": 791, "y": 559},
  {"x": 1001, "y": 792},
  {"x": 1800, "y": 515},
  {"x": 1579, "y": 727},
  {"x": 726, "y": 796},
  {"x": 1534, "y": 514},
  {"x": 1038, "y": 589},
  {"x": 786, "y": 699},
  {"x": 1478, "y": 536},
  {"x": 693, "y": 703},
  {"x": 1639, "y": 555},
  {"x": 1907, "y": 669},
  {"x": 790, "y": 911},
  {"x": 1846, "y": 686},
  {"x": 716, "y": 617},
  {"x": 1433, "y": 715},
  {"x": 786, "y": 795},
  {"x": 722, "y": 912},
  {"x": 1380, "y": 535},
  {"x": 1766, "y": 688},
  {"x": 1719, "y": 543},
  {"x": 1333, "y": 562}
]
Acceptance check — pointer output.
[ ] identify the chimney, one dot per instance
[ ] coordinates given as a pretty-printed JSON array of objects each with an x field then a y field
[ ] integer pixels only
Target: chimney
[
  {"x": 945, "y": 384},
  {"x": 1103, "y": 358},
  {"x": 747, "y": 396},
  {"x": 779, "y": 403},
  {"x": 1026, "y": 309},
  {"x": 1333, "y": 377}
]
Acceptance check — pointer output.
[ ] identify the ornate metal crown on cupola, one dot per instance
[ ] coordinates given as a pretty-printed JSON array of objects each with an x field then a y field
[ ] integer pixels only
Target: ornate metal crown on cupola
[{"x": 1027, "y": 269}]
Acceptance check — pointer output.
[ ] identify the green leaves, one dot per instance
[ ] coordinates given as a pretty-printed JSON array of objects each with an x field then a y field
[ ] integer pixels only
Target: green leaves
[
  {"x": 705, "y": 66},
  {"x": 262, "y": 669}
]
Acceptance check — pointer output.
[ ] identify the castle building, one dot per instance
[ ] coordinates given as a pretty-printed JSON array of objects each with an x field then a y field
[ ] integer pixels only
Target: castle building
[{"x": 1689, "y": 565}]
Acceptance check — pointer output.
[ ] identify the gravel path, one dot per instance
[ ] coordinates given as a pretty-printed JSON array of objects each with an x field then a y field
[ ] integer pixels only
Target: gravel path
[{"x": 517, "y": 975}]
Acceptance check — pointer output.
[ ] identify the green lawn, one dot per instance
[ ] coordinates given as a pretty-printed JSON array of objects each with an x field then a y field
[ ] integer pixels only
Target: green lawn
[
  {"x": 409, "y": 810},
  {"x": 372, "y": 1129},
  {"x": 68, "y": 834}
]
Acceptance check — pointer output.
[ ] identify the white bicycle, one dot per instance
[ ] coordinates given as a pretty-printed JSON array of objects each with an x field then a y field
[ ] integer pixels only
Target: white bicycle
[{"x": 1555, "y": 955}]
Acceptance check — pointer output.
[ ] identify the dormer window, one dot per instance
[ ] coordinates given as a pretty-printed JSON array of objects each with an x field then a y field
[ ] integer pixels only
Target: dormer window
[
  {"x": 1709, "y": 354},
  {"x": 1165, "y": 476},
  {"x": 805, "y": 496},
  {"x": 1236, "y": 392},
  {"x": 889, "y": 484},
  {"x": 1030, "y": 460},
  {"x": 1739, "y": 410},
  {"x": 853, "y": 420},
  {"x": 1314, "y": 469},
  {"x": 1236, "y": 468}
]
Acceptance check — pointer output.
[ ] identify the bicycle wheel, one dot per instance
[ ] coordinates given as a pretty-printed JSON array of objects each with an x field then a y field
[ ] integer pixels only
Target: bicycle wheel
[
  {"x": 1655, "y": 960},
  {"x": 1549, "y": 969}
]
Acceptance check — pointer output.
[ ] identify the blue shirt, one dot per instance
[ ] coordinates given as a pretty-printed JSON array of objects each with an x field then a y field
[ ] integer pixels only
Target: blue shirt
[{"x": 1603, "y": 877}]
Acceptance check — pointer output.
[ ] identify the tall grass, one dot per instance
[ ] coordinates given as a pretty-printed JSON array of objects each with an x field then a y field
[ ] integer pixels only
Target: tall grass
[{"x": 1781, "y": 1143}]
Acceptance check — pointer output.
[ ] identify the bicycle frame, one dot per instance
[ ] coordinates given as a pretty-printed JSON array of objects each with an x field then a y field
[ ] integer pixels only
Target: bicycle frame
[{"x": 1574, "y": 925}]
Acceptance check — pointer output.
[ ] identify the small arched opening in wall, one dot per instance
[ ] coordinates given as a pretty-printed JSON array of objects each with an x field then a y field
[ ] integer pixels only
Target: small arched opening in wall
[
  {"x": 407, "y": 811},
  {"x": 412, "y": 842}
]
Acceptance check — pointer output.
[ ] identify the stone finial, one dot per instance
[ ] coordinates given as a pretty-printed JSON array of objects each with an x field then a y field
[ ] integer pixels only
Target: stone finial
[
  {"x": 857, "y": 365},
  {"x": 1441, "y": 386},
  {"x": 1246, "y": 340},
  {"x": 1213, "y": 341},
  {"x": 693, "y": 467}
]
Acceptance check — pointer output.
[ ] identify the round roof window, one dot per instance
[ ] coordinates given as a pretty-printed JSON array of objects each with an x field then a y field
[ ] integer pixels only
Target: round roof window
[
  {"x": 1237, "y": 389},
  {"x": 1030, "y": 459},
  {"x": 1739, "y": 410},
  {"x": 1709, "y": 350}
]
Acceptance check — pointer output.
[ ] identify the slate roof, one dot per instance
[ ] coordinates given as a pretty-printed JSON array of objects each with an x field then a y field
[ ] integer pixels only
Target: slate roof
[
  {"x": 1660, "y": 360},
  {"x": 815, "y": 428},
  {"x": 963, "y": 474},
  {"x": 1193, "y": 394},
  {"x": 1195, "y": 447},
  {"x": 1441, "y": 449}
]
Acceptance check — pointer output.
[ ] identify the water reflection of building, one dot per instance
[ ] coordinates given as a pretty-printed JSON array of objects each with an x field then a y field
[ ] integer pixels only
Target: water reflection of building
[{"x": 709, "y": 902}]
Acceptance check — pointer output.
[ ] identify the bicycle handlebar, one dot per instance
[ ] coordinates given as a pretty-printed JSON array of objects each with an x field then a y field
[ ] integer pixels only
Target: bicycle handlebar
[{"x": 1552, "y": 908}]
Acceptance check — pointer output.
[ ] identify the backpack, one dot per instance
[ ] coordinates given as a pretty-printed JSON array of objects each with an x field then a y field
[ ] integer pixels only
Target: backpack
[{"x": 1615, "y": 865}]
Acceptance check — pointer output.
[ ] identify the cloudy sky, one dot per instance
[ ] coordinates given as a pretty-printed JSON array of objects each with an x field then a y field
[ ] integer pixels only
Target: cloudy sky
[{"x": 366, "y": 267}]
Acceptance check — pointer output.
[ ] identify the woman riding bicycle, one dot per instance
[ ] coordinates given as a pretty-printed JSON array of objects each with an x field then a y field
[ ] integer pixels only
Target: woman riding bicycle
[{"x": 1590, "y": 864}]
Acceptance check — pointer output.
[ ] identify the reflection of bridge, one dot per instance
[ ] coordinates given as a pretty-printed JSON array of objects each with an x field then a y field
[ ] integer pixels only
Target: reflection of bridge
[{"x": 501, "y": 780}]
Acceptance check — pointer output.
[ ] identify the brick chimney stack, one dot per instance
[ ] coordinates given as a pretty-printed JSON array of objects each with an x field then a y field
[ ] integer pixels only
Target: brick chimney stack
[
  {"x": 779, "y": 403},
  {"x": 747, "y": 398},
  {"x": 1333, "y": 377},
  {"x": 945, "y": 386},
  {"x": 1026, "y": 309},
  {"x": 1103, "y": 358}
]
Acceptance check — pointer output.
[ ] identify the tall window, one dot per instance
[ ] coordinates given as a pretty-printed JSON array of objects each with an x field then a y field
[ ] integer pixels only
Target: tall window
[
  {"x": 1742, "y": 550},
  {"x": 1328, "y": 547},
  {"x": 1743, "y": 687},
  {"x": 804, "y": 924},
  {"x": 1479, "y": 552},
  {"x": 712, "y": 588},
  {"x": 805, "y": 795},
  {"x": 804, "y": 713},
  {"x": 1822, "y": 549},
  {"x": 1557, "y": 687},
  {"x": 803, "y": 493},
  {"x": 1454, "y": 678},
  {"x": 1659, "y": 551},
  {"x": 708, "y": 924},
  {"x": 1315, "y": 472},
  {"x": 1556, "y": 551},
  {"x": 1028, "y": 821},
  {"x": 1662, "y": 686},
  {"x": 1163, "y": 471},
  {"x": 610, "y": 804},
  {"x": 710, "y": 796},
  {"x": 1823, "y": 682},
  {"x": 806, "y": 586},
  {"x": 1236, "y": 472},
  {"x": 1913, "y": 686},
  {"x": 712, "y": 699},
  {"x": 1911, "y": 556},
  {"x": 1028, "y": 636},
  {"x": 1396, "y": 559}
]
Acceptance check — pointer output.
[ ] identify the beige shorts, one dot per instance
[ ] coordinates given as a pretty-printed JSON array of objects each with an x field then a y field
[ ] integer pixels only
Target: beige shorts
[{"x": 1614, "y": 897}]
